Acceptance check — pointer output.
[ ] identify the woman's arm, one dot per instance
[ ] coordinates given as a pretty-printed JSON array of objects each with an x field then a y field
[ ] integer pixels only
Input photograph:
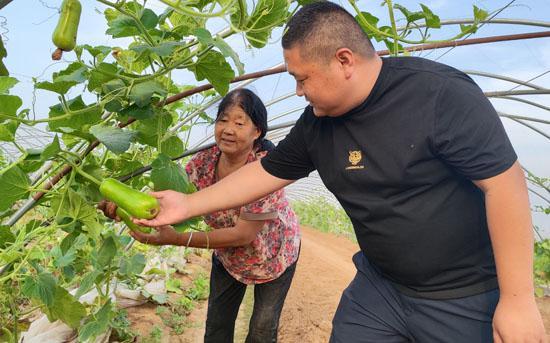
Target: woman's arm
[{"x": 243, "y": 233}]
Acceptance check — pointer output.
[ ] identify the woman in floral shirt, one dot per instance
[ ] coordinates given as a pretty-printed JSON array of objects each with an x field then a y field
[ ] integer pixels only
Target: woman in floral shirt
[{"x": 257, "y": 244}]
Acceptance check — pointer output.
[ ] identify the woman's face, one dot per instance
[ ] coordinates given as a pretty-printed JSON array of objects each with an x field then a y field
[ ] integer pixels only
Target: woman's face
[{"x": 235, "y": 132}]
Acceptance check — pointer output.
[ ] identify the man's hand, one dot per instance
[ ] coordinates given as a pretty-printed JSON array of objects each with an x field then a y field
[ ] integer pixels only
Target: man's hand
[
  {"x": 173, "y": 209},
  {"x": 517, "y": 319},
  {"x": 109, "y": 209},
  {"x": 164, "y": 235}
]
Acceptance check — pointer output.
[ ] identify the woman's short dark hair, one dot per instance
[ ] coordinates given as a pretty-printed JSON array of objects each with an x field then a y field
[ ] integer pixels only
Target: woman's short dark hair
[{"x": 253, "y": 106}]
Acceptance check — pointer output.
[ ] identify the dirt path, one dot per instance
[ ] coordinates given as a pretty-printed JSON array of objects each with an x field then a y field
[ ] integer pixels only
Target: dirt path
[{"x": 324, "y": 270}]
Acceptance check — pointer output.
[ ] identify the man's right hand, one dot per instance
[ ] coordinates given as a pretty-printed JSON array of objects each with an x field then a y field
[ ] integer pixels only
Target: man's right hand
[
  {"x": 109, "y": 209},
  {"x": 174, "y": 208}
]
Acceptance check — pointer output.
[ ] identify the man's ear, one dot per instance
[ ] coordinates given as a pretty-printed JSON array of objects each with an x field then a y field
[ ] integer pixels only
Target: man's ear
[{"x": 346, "y": 60}]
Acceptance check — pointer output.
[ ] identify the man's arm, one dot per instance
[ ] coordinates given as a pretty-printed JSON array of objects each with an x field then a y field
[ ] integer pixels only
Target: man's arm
[
  {"x": 247, "y": 184},
  {"x": 517, "y": 318}
]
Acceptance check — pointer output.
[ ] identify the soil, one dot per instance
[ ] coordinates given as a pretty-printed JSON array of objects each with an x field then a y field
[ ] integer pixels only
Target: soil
[{"x": 324, "y": 270}]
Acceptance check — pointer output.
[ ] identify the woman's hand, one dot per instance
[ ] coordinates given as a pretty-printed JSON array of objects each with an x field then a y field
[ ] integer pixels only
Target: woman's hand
[
  {"x": 109, "y": 209},
  {"x": 173, "y": 209},
  {"x": 164, "y": 235}
]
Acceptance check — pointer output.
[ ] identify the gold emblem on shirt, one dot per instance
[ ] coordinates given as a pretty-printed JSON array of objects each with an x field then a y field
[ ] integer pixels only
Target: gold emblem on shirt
[{"x": 355, "y": 157}]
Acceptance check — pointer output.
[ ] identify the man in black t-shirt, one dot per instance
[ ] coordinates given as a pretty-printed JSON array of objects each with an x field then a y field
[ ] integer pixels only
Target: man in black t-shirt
[{"x": 418, "y": 158}]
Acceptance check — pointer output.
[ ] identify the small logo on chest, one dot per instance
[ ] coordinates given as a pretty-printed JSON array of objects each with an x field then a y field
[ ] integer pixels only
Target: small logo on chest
[{"x": 355, "y": 157}]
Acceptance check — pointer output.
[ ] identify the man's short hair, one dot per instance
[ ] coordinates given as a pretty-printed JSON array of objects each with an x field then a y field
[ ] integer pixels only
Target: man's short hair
[{"x": 321, "y": 28}]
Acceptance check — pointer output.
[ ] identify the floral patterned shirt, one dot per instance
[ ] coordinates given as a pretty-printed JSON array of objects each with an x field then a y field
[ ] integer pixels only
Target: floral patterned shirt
[{"x": 276, "y": 245}]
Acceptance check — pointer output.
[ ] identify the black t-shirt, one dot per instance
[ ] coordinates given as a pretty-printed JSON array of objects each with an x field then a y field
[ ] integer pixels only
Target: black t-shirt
[{"x": 401, "y": 165}]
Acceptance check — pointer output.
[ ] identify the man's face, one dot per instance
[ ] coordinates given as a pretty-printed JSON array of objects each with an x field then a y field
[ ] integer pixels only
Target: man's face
[{"x": 322, "y": 83}]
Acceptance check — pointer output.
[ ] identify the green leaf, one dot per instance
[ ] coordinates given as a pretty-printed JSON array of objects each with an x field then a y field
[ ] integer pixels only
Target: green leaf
[
  {"x": 142, "y": 93},
  {"x": 66, "y": 308},
  {"x": 164, "y": 49},
  {"x": 151, "y": 129},
  {"x": 137, "y": 112},
  {"x": 6, "y": 236},
  {"x": 184, "y": 24},
  {"x": 75, "y": 72},
  {"x": 7, "y": 130},
  {"x": 173, "y": 146},
  {"x": 114, "y": 138},
  {"x": 107, "y": 252},
  {"x": 6, "y": 83},
  {"x": 79, "y": 122},
  {"x": 432, "y": 20},
  {"x": 166, "y": 174},
  {"x": 113, "y": 86},
  {"x": 3, "y": 53},
  {"x": 266, "y": 15},
  {"x": 102, "y": 74},
  {"x": 87, "y": 283},
  {"x": 14, "y": 185},
  {"x": 98, "y": 324},
  {"x": 227, "y": 51},
  {"x": 149, "y": 19},
  {"x": 76, "y": 208},
  {"x": 9, "y": 104},
  {"x": 468, "y": 28},
  {"x": 51, "y": 149},
  {"x": 122, "y": 26},
  {"x": 203, "y": 36},
  {"x": 174, "y": 286},
  {"x": 410, "y": 16},
  {"x": 61, "y": 260},
  {"x": 213, "y": 67},
  {"x": 42, "y": 289},
  {"x": 133, "y": 266},
  {"x": 98, "y": 52},
  {"x": 60, "y": 87},
  {"x": 480, "y": 14}
]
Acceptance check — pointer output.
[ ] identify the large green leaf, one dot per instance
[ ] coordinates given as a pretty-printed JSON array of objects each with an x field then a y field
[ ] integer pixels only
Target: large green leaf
[
  {"x": 163, "y": 49},
  {"x": 173, "y": 146},
  {"x": 107, "y": 252},
  {"x": 266, "y": 15},
  {"x": 51, "y": 149},
  {"x": 213, "y": 67},
  {"x": 87, "y": 282},
  {"x": 9, "y": 104},
  {"x": 88, "y": 116},
  {"x": 204, "y": 36},
  {"x": 66, "y": 308},
  {"x": 60, "y": 87},
  {"x": 76, "y": 208},
  {"x": 75, "y": 72},
  {"x": 6, "y": 83},
  {"x": 133, "y": 266},
  {"x": 142, "y": 93},
  {"x": 3, "y": 53},
  {"x": 98, "y": 52},
  {"x": 98, "y": 324},
  {"x": 115, "y": 139},
  {"x": 166, "y": 174},
  {"x": 151, "y": 129},
  {"x": 184, "y": 24},
  {"x": 14, "y": 185},
  {"x": 6, "y": 236},
  {"x": 137, "y": 112},
  {"x": 42, "y": 288},
  {"x": 102, "y": 74},
  {"x": 432, "y": 20},
  {"x": 122, "y": 26},
  {"x": 7, "y": 130}
]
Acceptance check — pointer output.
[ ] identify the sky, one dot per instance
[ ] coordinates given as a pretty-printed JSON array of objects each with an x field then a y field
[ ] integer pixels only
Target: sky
[{"x": 26, "y": 27}]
